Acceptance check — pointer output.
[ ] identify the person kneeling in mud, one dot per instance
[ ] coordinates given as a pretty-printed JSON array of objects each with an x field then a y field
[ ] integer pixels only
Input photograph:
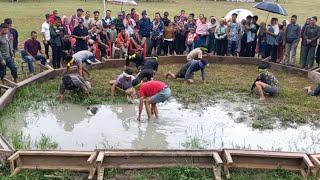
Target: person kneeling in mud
[
  {"x": 315, "y": 92},
  {"x": 124, "y": 84},
  {"x": 151, "y": 93},
  {"x": 266, "y": 83},
  {"x": 188, "y": 69},
  {"x": 74, "y": 83},
  {"x": 149, "y": 69}
]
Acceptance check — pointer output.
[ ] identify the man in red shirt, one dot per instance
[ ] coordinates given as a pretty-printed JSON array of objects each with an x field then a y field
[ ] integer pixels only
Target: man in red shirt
[{"x": 151, "y": 93}]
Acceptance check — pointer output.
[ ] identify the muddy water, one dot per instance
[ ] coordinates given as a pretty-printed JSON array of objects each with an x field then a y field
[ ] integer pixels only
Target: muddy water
[{"x": 223, "y": 125}]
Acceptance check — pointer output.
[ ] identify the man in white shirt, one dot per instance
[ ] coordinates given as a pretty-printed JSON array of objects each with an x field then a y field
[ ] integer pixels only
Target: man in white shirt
[
  {"x": 46, "y": 35},
  {"x": 87, "y": 19}
]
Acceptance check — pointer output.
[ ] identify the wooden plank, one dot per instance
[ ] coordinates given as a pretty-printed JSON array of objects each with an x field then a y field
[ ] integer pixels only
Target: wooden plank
[
  {"x": 4, "y": 86},
  {"x": 217, "y": 158},
  {"x": 227, "y": 157},
  {"x": 14, "y": 156},
  {"x": 92, "y": 157},
  {"x": 100, "y": 157},
  {"x": 7, "y": 97}
]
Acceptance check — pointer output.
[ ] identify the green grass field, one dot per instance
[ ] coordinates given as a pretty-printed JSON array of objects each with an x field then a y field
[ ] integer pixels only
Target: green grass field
[
  {"x": 28, "y": 15},
  {"x": 291, "y": 106}
]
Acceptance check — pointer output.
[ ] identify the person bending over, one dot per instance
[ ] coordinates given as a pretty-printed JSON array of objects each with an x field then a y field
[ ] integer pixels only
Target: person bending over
[
  {"x": 136, "y": 58},
  {"x": 74, "y": 83},
  {"x": 124, "y": 84},
  {"x": 151, "y": 93},
  {"x": 266, "y": 82},
  {"x": 188, "y": 69},
  {"x": 315, "y": 92},
  {"x": 149, "y": 69},
  {"x": 197, "y": 53},
  {"x": 81, "y": 58}
]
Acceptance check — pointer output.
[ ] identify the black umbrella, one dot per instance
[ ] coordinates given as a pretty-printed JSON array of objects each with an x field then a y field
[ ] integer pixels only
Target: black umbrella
[{"x": 272, "y": 8}]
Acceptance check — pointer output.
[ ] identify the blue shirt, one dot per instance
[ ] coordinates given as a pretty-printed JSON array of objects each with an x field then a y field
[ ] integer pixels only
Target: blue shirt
[
  {"x": 234, "y": 30},
  {"x": 271, "y": 40},
  {"x": 145, "y": 27},
  {"x": 193, "y": 66}
]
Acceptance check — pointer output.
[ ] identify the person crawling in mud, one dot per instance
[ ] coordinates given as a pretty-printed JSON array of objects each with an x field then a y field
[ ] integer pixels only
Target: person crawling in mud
[
  {"x": 188, "y": 69},
  {"x": 74, "y": 83},
  {"x": 81, "y": 58},
  {"x": 149, "y": 69},
  {"x": 311, "y": 92},
  {"x": 124, "y": 83},
  {"x": 266, "y": 83},
  {"x": 151, "y": 93},
  {"x": 135, "y": 57},
  {"x": 197, "y": 53}
]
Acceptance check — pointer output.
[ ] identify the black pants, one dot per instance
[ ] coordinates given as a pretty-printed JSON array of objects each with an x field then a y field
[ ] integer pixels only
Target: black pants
[
  {"x": 56, "y": 56},
  {"x": 166, "y": 45},
  {"x": 253, "y": 48},
  {"x": 248, "y": 49},
  {"x": 156, "y": 44},
  {"x": 272, "y": 50},
  {"x": 46, "y": 49},
  {"x": 222, "y": 45}
]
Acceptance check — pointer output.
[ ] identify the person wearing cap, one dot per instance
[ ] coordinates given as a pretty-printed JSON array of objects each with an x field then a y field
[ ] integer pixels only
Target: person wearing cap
[
  {"x": 188, "y": 69},
  {"x": 81, "y": 58},
  {"x": 266, "y": 82},
  {"x": 81, "y": 34},
  {"x": 151, "y": 93},
  {"x": 12, "y": 35},
  {"x": 74, "y": 83},
  {"x": 74, "y": 19},
  {"x": 234, "y": 30},
  {"x": 118, "y": 22},
  {"x": 136, "y": 58},
  {"x": 45, "y": 30},
  {"x": 197, "y": 53},
  {"x": 6, "y": 54},
  {"x": 57, "y": 32},
  {"x": 124, "y": 83}
]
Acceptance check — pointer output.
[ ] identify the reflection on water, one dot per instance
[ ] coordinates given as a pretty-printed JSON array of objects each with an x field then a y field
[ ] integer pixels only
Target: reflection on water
[{"x": 222, "y": 125}]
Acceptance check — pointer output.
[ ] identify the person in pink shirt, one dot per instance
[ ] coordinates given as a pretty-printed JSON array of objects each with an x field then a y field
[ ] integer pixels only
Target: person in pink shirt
[
  {"x": 183, "y": 16},
  {"x": 202, "y": 32},
  {"x": 129, "y": 24}
]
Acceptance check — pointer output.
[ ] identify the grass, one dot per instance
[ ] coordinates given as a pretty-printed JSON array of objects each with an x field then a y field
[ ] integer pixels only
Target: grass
[
  {"x": 29, "y": 15},
  {"x": 224, "y": 81}
]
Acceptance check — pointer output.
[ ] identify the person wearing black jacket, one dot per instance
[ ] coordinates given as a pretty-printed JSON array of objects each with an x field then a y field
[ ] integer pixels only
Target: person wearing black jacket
[
  {"x": 13, "y": 35},
  {"x": 57, "y": 32}
]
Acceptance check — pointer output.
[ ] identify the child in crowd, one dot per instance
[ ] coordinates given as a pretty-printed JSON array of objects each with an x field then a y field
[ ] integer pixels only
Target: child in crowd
[
  {"x": 112, "y": 33},
  {"x": 190, "y": 40}
]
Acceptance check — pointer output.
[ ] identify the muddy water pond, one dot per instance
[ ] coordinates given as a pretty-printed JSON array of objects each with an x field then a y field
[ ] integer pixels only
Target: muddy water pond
[{"x": 223, "y": 124}]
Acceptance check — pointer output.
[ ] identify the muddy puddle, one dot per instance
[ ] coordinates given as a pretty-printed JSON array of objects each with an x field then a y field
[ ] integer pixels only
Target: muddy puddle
[{"x": 223, "y": 124}]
